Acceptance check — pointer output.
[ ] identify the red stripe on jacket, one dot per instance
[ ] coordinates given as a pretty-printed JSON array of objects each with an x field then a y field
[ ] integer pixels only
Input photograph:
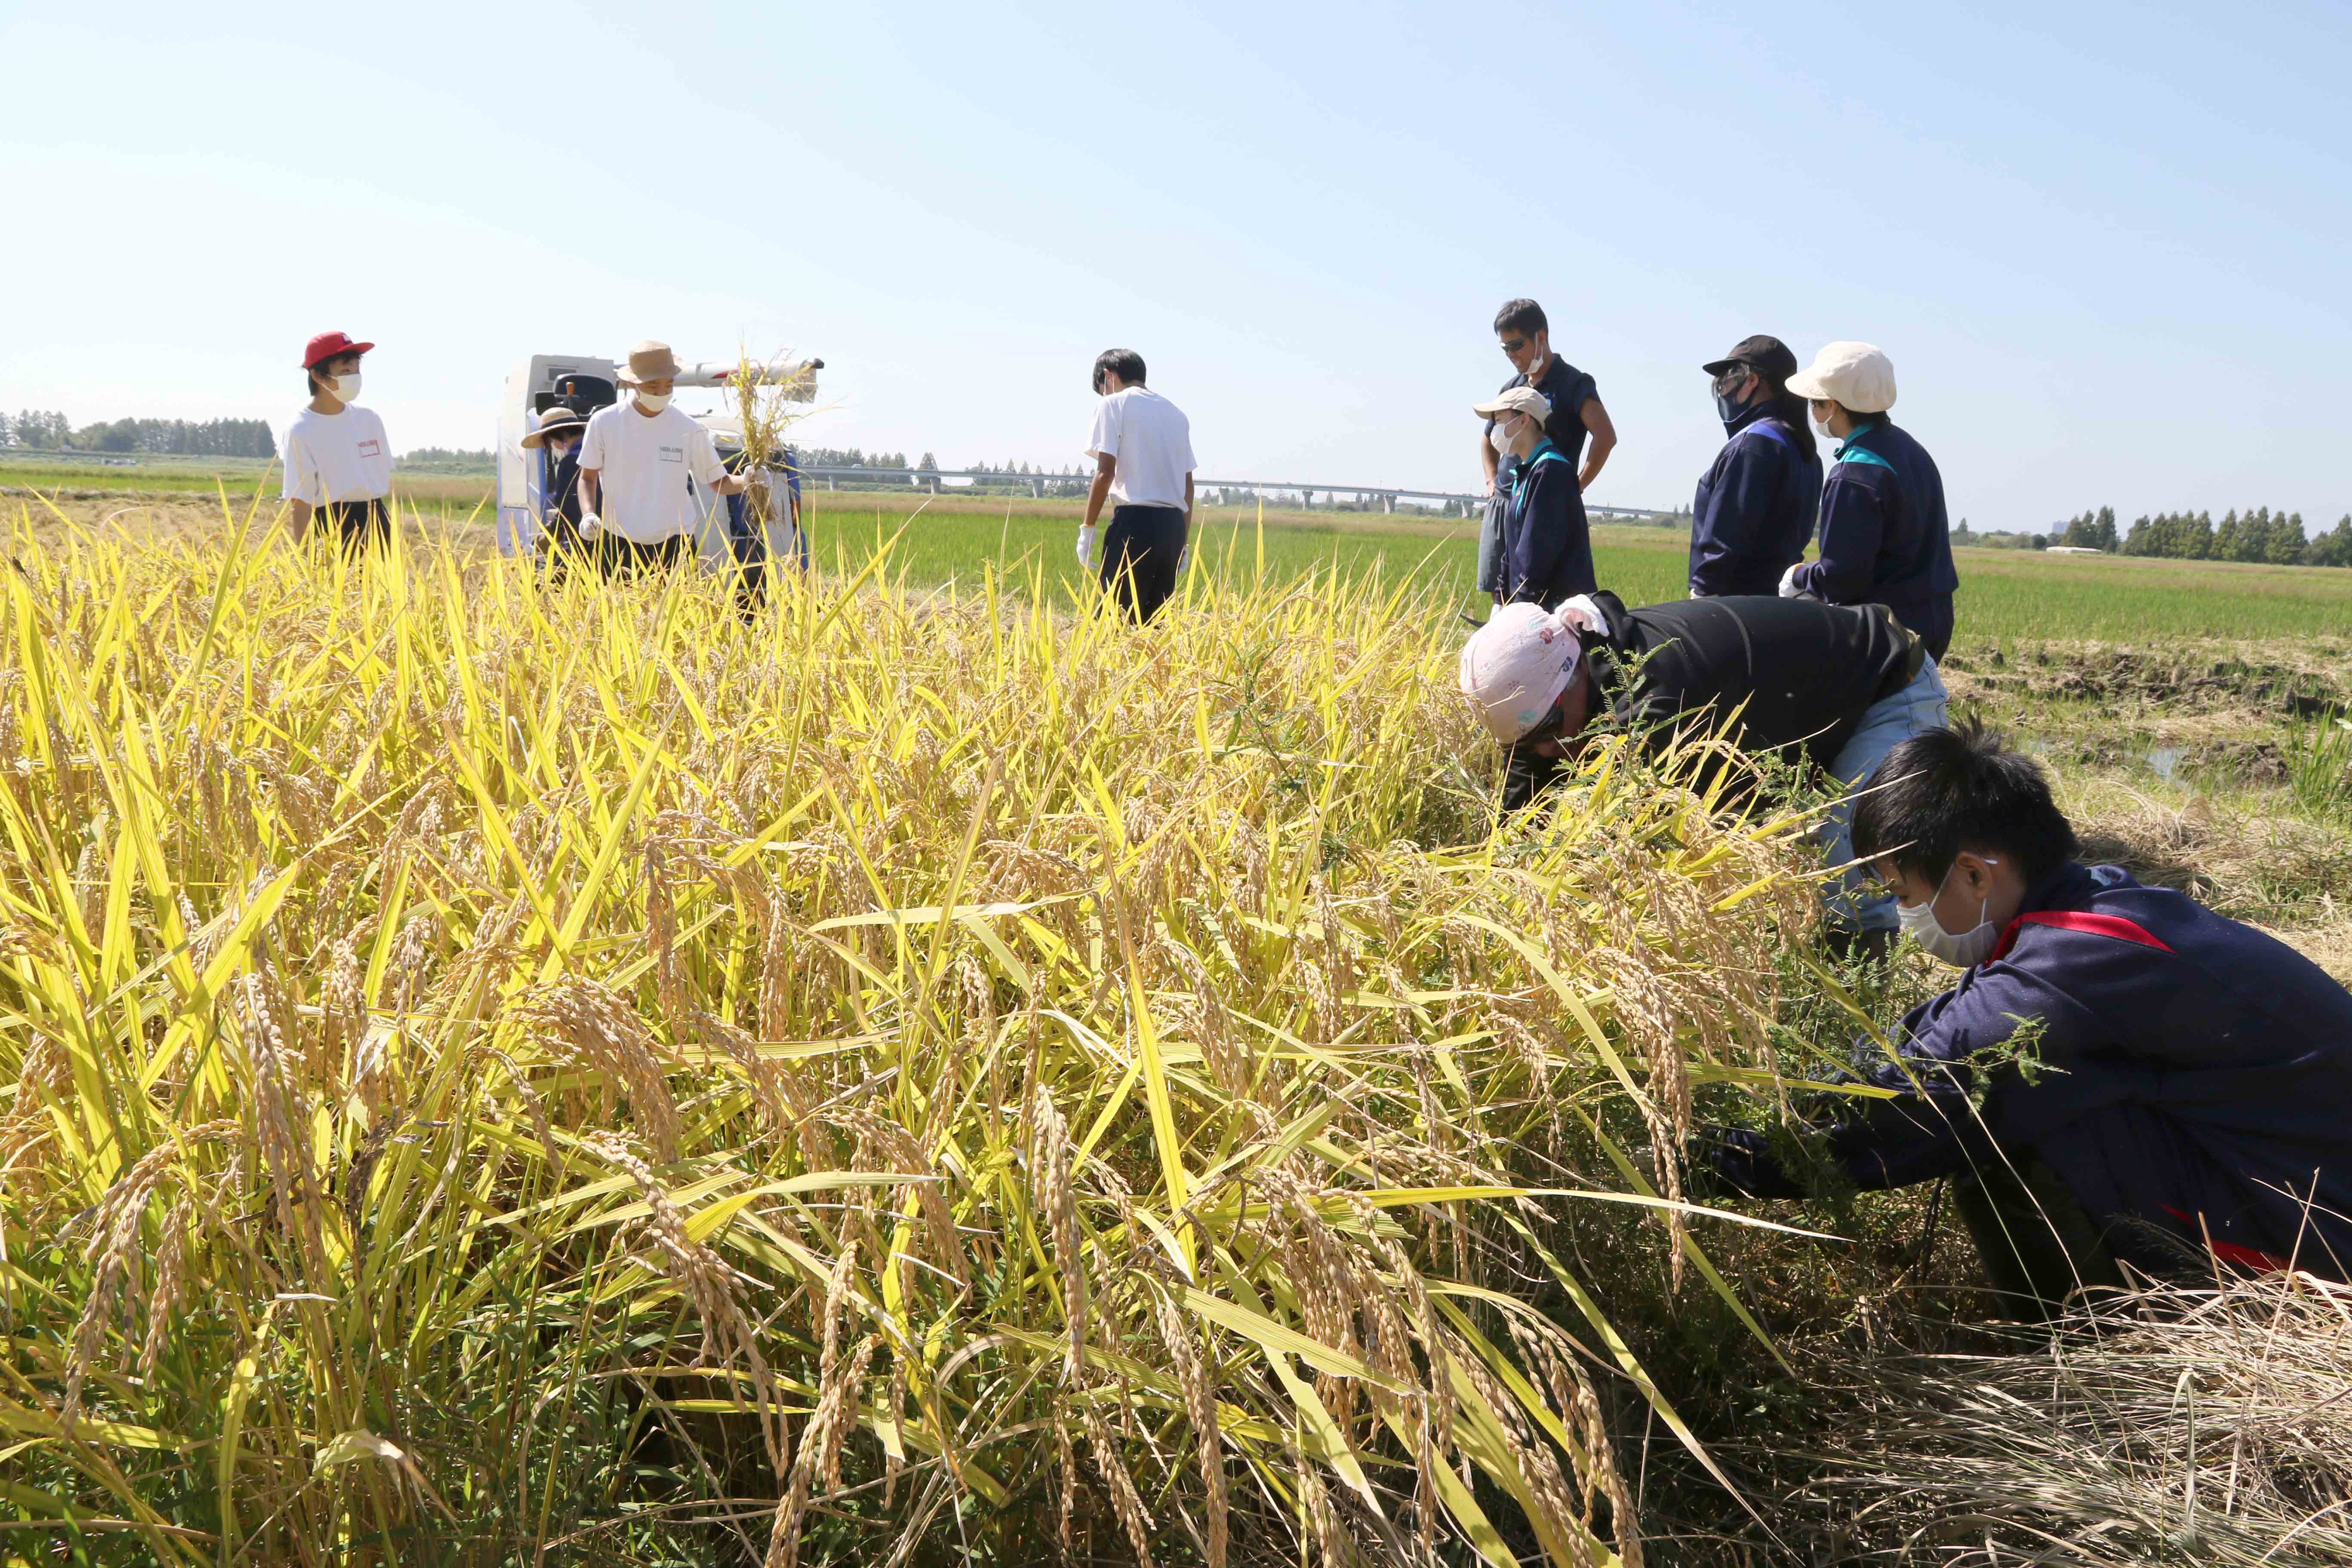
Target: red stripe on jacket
[{"x": 2114, "y": 926}]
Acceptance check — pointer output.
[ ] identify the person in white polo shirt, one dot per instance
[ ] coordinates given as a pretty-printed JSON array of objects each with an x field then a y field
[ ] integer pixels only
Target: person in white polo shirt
[
  {"x": 635, "y": 509},
  {"x": 1142, "y": 448},
  {"x": 338, "y": 462}
]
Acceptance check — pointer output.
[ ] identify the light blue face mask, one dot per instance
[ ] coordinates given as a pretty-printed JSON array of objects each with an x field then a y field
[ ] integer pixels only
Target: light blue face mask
[{"x": 1961, "y": 949}]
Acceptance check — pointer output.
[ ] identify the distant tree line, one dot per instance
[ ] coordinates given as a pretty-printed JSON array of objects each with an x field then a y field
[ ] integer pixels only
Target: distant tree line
[
  {"x": 2264, "y": 535},
  {"x": 2261, "y": 535},
  {"x": 848, "y": 457},
  {"x": 51, "y": 431},
  {"x": 449, "y": 459}
]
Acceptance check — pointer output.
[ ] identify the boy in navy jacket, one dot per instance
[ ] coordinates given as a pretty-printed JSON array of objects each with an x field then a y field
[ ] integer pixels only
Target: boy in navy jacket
[{"x": 2121, "y": 1074}]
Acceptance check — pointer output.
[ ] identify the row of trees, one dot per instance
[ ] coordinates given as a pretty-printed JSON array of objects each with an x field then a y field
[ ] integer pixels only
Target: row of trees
[
  {"x": 50, "y": 430},
  {"x": 2261, "y": 535},
  {"x": 851, "y": 457}
]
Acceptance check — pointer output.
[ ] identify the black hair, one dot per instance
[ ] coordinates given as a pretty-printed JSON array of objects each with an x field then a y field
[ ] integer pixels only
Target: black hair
[
  {"x": 1124, "y": 363},
  {"x": 310, "y": 373},
  {"x": 1789, "y": 409},
  {"x": 1962, "y": 788},
  {"x": 1522, "y": 316}
]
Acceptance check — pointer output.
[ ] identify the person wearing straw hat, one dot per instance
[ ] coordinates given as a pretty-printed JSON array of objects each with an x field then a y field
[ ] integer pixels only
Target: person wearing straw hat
[
  {"x": 338, "y": 465},
  {"x": 635, "y": 458},
  {"x": 1545, "y": 554},
  {"x": 557, "y": 492},
  {"x": 1885, "y": 537}
]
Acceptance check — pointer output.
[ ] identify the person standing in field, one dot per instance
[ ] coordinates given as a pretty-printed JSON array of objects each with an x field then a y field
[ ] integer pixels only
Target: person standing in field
[
  {"x": 558, "y": 433},
  {"x": 1756, "y": 503},
  {"x": 1525, "y": 333},
  {"x": 1546, "y": 551},
  {"x": 634, "y": 462},
  {"x": 338, "y": 472},
  {"x": 1885, "y": 537},
  {"x": 1142, "y": 448}
]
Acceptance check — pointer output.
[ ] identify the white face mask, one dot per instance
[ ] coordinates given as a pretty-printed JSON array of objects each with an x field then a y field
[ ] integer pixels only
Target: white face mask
[
  {"x": 1961, "y": 949},
  {"x": 1500, "y": 441},
  {"x": 346, "y": 387},
  {"x": 651, "y": 403}
]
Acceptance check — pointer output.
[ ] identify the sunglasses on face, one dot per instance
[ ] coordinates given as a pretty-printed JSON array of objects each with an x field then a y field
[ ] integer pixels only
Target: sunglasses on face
[
  {"x": 1514, "y": 345},
  {"x": 1732, "y": 377}
]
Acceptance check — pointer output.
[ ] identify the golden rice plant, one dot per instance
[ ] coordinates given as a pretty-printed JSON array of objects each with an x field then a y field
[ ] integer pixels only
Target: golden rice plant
[{"x": 500, "y": 1071}]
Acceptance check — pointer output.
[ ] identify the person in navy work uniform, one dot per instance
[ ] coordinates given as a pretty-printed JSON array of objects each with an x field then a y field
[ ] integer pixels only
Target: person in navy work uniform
[
  {"x": 1546, "y": 549},
  {"x": 1756, "y": 504},
  {"x": 1885, "y": 538},
  {"x": 1526, "y": 337},
  {"x": 2194, "y": 1088}
]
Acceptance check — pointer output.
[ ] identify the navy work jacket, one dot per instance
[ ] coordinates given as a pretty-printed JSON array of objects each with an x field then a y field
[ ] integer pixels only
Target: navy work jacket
[
  {"x": 1546, "y": 543},
  {"x": 2192, "y": 1073},
  {"x": 1755, "y": 507},
  {"x": 1885, "y": 538}
]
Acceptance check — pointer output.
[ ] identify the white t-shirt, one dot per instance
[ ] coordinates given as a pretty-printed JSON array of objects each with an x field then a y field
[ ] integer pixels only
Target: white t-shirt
[
  {"x": 337, "y": 457},
  {"x": 1152, "y": 441},
  {"x": 641, "y": 467}
]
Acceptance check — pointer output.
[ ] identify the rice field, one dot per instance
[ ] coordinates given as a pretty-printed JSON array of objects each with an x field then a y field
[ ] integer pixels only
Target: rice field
[
  {"x": 494, "y": 1074},
  {"x": 2004, "y": 594}
]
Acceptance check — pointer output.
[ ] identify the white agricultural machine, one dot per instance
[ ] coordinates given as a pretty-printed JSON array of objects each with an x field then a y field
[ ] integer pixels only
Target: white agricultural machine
[{"x": 590, "y": 382}]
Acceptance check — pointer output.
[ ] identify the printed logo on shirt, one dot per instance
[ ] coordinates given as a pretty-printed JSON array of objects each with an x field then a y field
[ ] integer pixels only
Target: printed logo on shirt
[
  {"x": 673, "y": 454},
  {"x": 371, "y": 449}
]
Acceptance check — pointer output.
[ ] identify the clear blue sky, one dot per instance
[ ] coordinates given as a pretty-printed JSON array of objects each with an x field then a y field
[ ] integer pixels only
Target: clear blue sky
[{"x": 2105, "y": 245}]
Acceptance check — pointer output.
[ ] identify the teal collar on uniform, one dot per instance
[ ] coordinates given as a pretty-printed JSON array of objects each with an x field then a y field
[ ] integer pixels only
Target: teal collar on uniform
[{"x": 1850, "y": 452}]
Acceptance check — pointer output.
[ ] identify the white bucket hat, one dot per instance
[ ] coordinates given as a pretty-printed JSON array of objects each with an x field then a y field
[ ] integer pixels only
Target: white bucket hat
[
  {"x": 1859, "y": 376},
  {"x": 1514, "y": 668}
]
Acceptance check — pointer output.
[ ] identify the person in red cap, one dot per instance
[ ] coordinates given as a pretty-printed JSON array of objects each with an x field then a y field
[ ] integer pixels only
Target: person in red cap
[{"x": 338, "y": 462}]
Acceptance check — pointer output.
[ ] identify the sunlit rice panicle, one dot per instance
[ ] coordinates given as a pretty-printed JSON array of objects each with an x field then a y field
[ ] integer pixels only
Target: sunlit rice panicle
[{"x": 622, "y": 1019}]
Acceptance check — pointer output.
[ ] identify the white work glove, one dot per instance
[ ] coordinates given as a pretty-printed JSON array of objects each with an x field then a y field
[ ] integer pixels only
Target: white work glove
[
  {"x": 1086, "y": 548},
  {"x": 591, "y": 525},
  {"x": 1580, "y": 614},
  {"x": 1788, "y": 589}
]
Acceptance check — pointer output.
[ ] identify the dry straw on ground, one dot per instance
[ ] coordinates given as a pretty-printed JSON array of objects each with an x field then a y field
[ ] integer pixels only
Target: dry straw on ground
[
  {"x": 561, "y": 1073},
  {"x": 2193, "y": 1426}
]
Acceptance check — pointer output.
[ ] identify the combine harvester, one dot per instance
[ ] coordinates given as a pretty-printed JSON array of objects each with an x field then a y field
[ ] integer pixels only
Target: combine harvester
[{"x": 588, "y": 381}]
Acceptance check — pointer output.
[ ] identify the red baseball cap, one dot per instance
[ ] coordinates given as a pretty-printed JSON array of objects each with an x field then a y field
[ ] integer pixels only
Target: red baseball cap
[{"x": 331, "y": 346}]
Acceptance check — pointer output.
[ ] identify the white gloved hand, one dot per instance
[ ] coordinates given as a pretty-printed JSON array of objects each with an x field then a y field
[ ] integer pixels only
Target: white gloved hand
[
  {"x": 1788, "y": 589},
  {"x": 1580, "y": 614},
  {"x": 1086, "y": 548},
  {"x": 591, "y": 525}
]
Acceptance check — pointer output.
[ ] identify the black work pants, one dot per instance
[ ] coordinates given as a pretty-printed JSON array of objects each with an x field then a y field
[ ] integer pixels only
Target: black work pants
[
  {"x": 2037, "y": 1241},
  {"x": 1139, "y": 554},
  {"x": 352, "y": 524},
  {"x": 616, "y": 556}
]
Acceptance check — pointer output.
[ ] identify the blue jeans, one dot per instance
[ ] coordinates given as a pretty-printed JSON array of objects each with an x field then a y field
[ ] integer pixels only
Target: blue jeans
[{"x": 1854, "y": 901}]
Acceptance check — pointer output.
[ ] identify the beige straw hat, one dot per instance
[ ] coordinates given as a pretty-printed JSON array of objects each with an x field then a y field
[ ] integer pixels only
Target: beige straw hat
[
  {"x": 553, "y": 420},
  {"x": 650, "y": 360}
]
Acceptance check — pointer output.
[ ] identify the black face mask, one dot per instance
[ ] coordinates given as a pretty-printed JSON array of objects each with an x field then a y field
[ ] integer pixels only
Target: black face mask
[{"x": 1727, "y": 407}]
